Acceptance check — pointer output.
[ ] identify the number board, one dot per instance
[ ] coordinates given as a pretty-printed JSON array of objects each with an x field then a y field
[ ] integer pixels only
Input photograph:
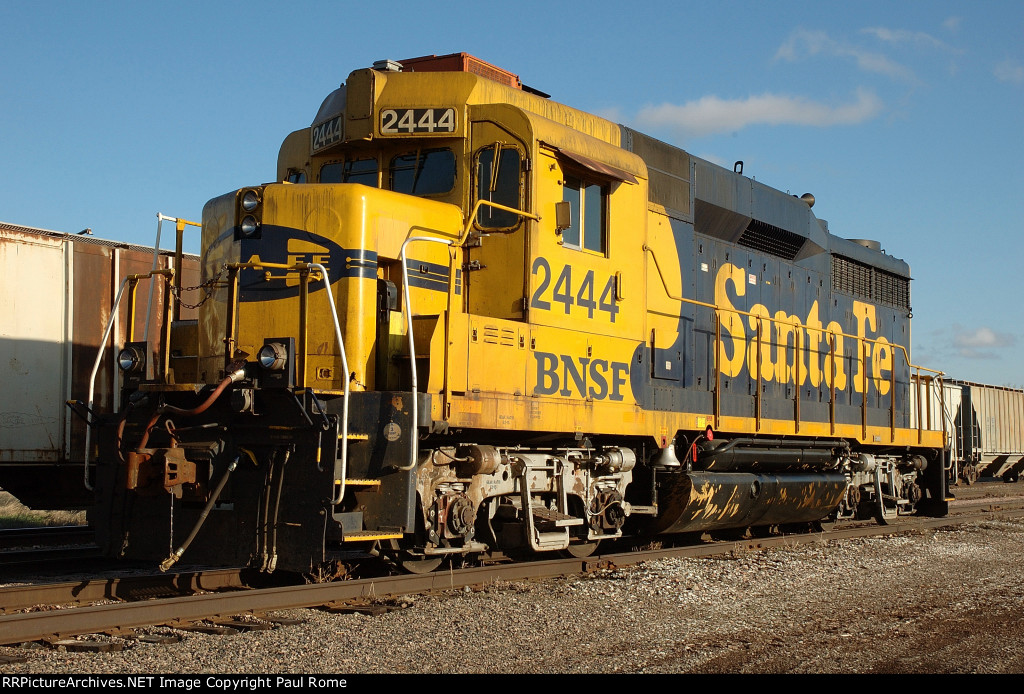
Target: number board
[
  {"x": 325, "y": 134},
  {"x": 402, "y": 121}
]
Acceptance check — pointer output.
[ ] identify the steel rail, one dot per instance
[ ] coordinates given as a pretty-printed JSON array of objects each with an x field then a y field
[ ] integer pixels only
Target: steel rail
[
  {"x": 27, "y": 559},
  {"x": 50, "y": 625},
  {"x": 45, "y": 535},
  {"x": 22, "y": 597}
]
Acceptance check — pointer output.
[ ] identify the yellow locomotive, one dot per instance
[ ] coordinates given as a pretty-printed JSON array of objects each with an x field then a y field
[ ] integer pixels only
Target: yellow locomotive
[{"x": 468, "y": 320}]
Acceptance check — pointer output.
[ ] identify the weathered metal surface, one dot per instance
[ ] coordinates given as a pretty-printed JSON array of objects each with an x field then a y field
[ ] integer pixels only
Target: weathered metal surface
[
  {"x": 710, "y": 501},
  {"x": 999, "y": 418},
  {"x": 57, "y": 291},
  {"x": 126, "y": 588},
  {"x": 985, "y": 427}
]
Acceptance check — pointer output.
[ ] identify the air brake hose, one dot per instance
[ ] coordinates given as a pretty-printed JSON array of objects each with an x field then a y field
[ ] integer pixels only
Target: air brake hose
[
  {"x": 237, "y": 375},
  {"x": 173, "y": 559}
]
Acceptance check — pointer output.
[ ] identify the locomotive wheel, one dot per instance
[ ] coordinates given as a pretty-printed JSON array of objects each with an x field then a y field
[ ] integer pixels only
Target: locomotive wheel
[
  {"x": 824, "y": 525},
  {"x": 730, "y": 534},
  {"x": 798, "y": 528},
  {"x": 970, "y": 474},
  {"x": 413, "y": 563},
  {"x": 886, "y": 515},
  {"x": 760, "y": 531},
  {"x": 582, "y": 550}
]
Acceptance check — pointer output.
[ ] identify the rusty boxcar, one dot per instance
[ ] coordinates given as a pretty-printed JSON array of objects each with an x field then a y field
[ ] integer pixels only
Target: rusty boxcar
[{"x": 56, "y": 290}]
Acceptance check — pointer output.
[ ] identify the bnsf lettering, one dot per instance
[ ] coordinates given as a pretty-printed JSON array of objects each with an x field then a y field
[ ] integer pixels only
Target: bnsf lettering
[{"x": 580, "y": 377}]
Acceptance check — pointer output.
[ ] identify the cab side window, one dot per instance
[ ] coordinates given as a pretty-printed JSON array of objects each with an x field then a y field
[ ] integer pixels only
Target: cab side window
[
  {"x": 588, "y": 205},
  {"x": 498, "y": 173}
]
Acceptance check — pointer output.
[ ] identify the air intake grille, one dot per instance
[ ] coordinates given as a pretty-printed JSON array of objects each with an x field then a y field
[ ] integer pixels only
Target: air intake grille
[
  {"x": 770, "y": 239},
  {"x": 853, "y": 277}
]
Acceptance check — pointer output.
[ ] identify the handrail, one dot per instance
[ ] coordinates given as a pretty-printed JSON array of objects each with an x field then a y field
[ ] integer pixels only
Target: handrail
[
  {"x": 133, "y": 279},
  {"x": 344, "y": 362},
  {"x": 179, "y": 228},
  {"x": 476, "y": 208},
  {"x": 956, "y": 439},
  {"x": 414, "y": 436},
  {"x": 325, "y": 278},
  {"x": 415, "y": 433},
  {"x": 797, "y": 324}
]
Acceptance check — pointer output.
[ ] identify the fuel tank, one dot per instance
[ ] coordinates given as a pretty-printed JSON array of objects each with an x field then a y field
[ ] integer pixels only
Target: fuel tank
[{"x": 699, "y": 501}]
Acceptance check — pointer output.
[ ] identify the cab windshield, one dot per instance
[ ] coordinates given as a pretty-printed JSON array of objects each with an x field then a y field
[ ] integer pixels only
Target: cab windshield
[{"x": 422, "y": 172}]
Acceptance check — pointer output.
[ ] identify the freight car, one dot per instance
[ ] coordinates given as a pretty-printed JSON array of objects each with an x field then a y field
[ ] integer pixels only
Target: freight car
[
  {"x": 471, "y": 321},
  {"x": 986, "y": 427},
  {"x": 57, "y": 290}
]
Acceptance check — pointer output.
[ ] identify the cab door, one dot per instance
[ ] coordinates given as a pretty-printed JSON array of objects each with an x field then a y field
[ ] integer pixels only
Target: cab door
[{"x": 494, "y": 274}]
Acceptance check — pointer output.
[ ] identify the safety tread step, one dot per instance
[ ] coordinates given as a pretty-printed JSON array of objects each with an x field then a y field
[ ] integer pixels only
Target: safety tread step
[
  {"x": 543, "y": 516},
  {"x": 364, "y": 535}
]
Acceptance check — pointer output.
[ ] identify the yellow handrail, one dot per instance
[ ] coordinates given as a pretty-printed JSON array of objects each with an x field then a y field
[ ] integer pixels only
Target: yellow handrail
[
  {"x": 832, "y": 334},
  {"x": 480, "y": 203},
  {"x": 795, "y": 324}
]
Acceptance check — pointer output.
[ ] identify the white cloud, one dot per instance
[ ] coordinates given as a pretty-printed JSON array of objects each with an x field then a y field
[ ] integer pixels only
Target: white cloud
[
  {"x": 918, "y": 39},
  {"x": 803, "y": 43},
  {"x": 952, "y": 24},
  {"x": 977, "y": 343},
  {"x": 1010, "y": 71},
  {"x": 711, "y": 114}
]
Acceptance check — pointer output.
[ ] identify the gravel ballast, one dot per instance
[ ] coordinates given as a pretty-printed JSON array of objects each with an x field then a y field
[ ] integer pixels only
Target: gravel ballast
[{"x": 942, "y": 601}]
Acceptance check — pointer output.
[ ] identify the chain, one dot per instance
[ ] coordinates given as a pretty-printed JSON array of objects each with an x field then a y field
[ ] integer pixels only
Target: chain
[{"x": 206, "y": 287}]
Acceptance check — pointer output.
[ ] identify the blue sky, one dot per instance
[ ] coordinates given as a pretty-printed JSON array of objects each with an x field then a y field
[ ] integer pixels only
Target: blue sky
[{"x": 906, "y": 120}]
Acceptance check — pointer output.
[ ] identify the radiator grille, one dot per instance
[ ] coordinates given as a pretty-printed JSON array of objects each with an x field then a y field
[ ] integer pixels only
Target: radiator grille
[
  {"x": 771, "y": 239},
  {"x": 862, "y": 280}
]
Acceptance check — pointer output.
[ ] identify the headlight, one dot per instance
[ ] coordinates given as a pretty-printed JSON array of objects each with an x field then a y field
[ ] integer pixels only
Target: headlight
[
  {"x": 130, "y": 359},
  {"x": 273, "y": 356},
  {"x": 249, "y": 225},
  {"x": 250, "y": 199}
]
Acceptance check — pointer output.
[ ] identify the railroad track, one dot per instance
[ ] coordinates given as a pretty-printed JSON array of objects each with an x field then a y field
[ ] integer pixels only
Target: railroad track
[
  {"x": 45, "y": 536},
  {"x": 33, "y": 549},
  {"x": 227, "y": 598}
]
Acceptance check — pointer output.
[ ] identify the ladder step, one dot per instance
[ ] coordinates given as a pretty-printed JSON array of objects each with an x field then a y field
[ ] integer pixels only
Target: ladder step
[
  {"x": 360, "y": 483},
  {"x": 356, "y": 437},
  {"x": 544, "y": 519},
  {"x": 364, "y": 535},
  {"x": 556, "y": 540}
]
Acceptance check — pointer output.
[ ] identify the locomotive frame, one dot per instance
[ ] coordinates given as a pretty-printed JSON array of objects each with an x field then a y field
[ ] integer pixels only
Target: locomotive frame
[{"x": 469, "y": 320}]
